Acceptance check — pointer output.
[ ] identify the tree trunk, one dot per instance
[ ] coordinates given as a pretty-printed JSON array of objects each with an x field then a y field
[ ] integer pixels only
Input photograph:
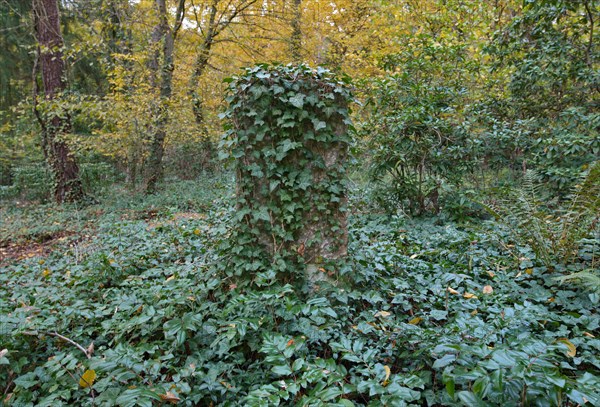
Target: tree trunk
[
  {"x": 296, "y": 37},
  {"x": 54, "y": 123},
  {"x": 200, "y": 65},
  {"x": 163, "y": 79}
]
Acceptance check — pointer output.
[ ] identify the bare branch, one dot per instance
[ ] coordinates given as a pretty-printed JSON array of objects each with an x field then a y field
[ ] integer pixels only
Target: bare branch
[{"x": 72, "y": 342}]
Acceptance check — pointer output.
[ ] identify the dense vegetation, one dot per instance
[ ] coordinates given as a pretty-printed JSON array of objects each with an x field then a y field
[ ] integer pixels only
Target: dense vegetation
[
  {"x": 424, "y": 311},
  {"x": 134, "y": 268}
]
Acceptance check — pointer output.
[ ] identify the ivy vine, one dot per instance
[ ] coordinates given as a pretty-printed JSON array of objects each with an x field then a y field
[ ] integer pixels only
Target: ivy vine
[{"x": 287, "y": 139}]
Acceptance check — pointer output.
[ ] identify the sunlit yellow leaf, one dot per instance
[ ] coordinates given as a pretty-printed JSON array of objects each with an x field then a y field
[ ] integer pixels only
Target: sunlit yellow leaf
[
  {"x": 469, "y": 295},
  {"x": 383, "y": 314},
  {"x": 414, "y": 256},
  {"x": 589, "y": 335},
  {"x": 415, "y": 321},
  {"x": 87, "y": 379},
  {"x": 196, "y": 232},
  {"x": 474, "y": 312},
  {"x": 529, "y": 271},
  {"x": 170, "y": 278},
  {"x": 453, "y": 291},
  {"x": 46, "y": 272},
  {"x": 572, "y": 350}
]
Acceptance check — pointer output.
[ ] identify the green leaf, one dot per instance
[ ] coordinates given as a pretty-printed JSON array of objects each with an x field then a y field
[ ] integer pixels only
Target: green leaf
[
  {"x": 503, "y": 358},
  {"x": 470, "y": 399},
  {"x": 297, "y": 365},
  {"x": 555, "y": 377},
  {"x": 297, "y": 101},
  {"x": 319, "y": 124},
  {"x": 282, "y": 370},
  {"x": 438, "y": 314},
  {"x": 444, "y": 361}
]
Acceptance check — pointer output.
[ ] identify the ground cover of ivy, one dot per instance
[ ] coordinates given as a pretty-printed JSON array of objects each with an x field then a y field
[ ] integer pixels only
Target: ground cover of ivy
[{"x": 424, "y": 312}]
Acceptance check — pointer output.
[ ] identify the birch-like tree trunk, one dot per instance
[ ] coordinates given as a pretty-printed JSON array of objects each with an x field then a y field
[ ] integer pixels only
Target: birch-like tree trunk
[{"x": 162, "y": 66}]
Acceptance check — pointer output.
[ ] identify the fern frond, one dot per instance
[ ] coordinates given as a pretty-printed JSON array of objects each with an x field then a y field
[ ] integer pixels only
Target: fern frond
[
  {"x": 589, "y": 279},
  {"x": 553, "y": 235}
]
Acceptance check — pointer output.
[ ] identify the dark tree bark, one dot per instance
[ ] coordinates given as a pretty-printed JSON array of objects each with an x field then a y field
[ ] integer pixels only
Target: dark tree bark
[
  {"x": 54, "y": 123},
  {"x": 163, "y": 38}
]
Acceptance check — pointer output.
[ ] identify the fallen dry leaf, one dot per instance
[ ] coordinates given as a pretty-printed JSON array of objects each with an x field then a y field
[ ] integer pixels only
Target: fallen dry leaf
[{"x": 169, "y": 398}]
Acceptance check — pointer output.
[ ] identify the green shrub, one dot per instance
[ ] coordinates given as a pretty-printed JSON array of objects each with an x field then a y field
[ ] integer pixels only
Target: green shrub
[
  {"x": 97, "y": 177},
  {"x": 33, "y": 182}
]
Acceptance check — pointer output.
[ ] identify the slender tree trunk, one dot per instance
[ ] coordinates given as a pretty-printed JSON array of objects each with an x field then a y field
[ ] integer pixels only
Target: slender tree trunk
[
  {"x": 163, "y": 80},
  {"x": 296, "y": 37},
  {"x": 200, "y": 65},
  {"x": 54, "y": 123},
  {"x": 196, "y": 98}
]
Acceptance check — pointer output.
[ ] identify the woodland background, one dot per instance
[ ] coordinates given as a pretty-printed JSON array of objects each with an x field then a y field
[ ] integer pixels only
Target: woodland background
[
  {"x": 500, "y": 86},
  {"x": 473, "y": 203}
]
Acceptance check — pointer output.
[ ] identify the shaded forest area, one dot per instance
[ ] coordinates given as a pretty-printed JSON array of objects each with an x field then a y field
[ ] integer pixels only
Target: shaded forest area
[{"x": 299, "y": 202}]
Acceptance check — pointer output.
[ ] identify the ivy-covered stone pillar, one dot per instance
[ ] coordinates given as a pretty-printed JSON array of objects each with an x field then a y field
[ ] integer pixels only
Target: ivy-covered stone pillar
[{"x": 288, "y": 141}]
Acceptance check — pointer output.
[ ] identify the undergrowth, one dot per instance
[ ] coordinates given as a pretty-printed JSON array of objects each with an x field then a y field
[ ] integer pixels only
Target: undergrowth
[{"x": 423, "y": 313}]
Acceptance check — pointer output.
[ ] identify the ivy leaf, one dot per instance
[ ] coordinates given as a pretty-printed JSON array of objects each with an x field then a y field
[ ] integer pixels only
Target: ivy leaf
[
  {"x": 438, "y": 314},
  {"x": 297, "y": 101},
  {"x": 262, "y": 214},
  {"x": 319, "y": 124}
]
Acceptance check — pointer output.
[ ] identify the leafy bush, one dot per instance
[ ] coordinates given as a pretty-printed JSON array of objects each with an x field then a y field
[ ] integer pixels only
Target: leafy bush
[
  {"x": 416, "y": 138},
  {"x": 32, "y": 182},
  {"x": 97, "y": 177},
  {"x": 545, "y": 116}
]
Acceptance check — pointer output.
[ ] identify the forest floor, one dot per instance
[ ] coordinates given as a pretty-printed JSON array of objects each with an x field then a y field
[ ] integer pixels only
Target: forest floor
[{"x": 424, "y": 312}]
